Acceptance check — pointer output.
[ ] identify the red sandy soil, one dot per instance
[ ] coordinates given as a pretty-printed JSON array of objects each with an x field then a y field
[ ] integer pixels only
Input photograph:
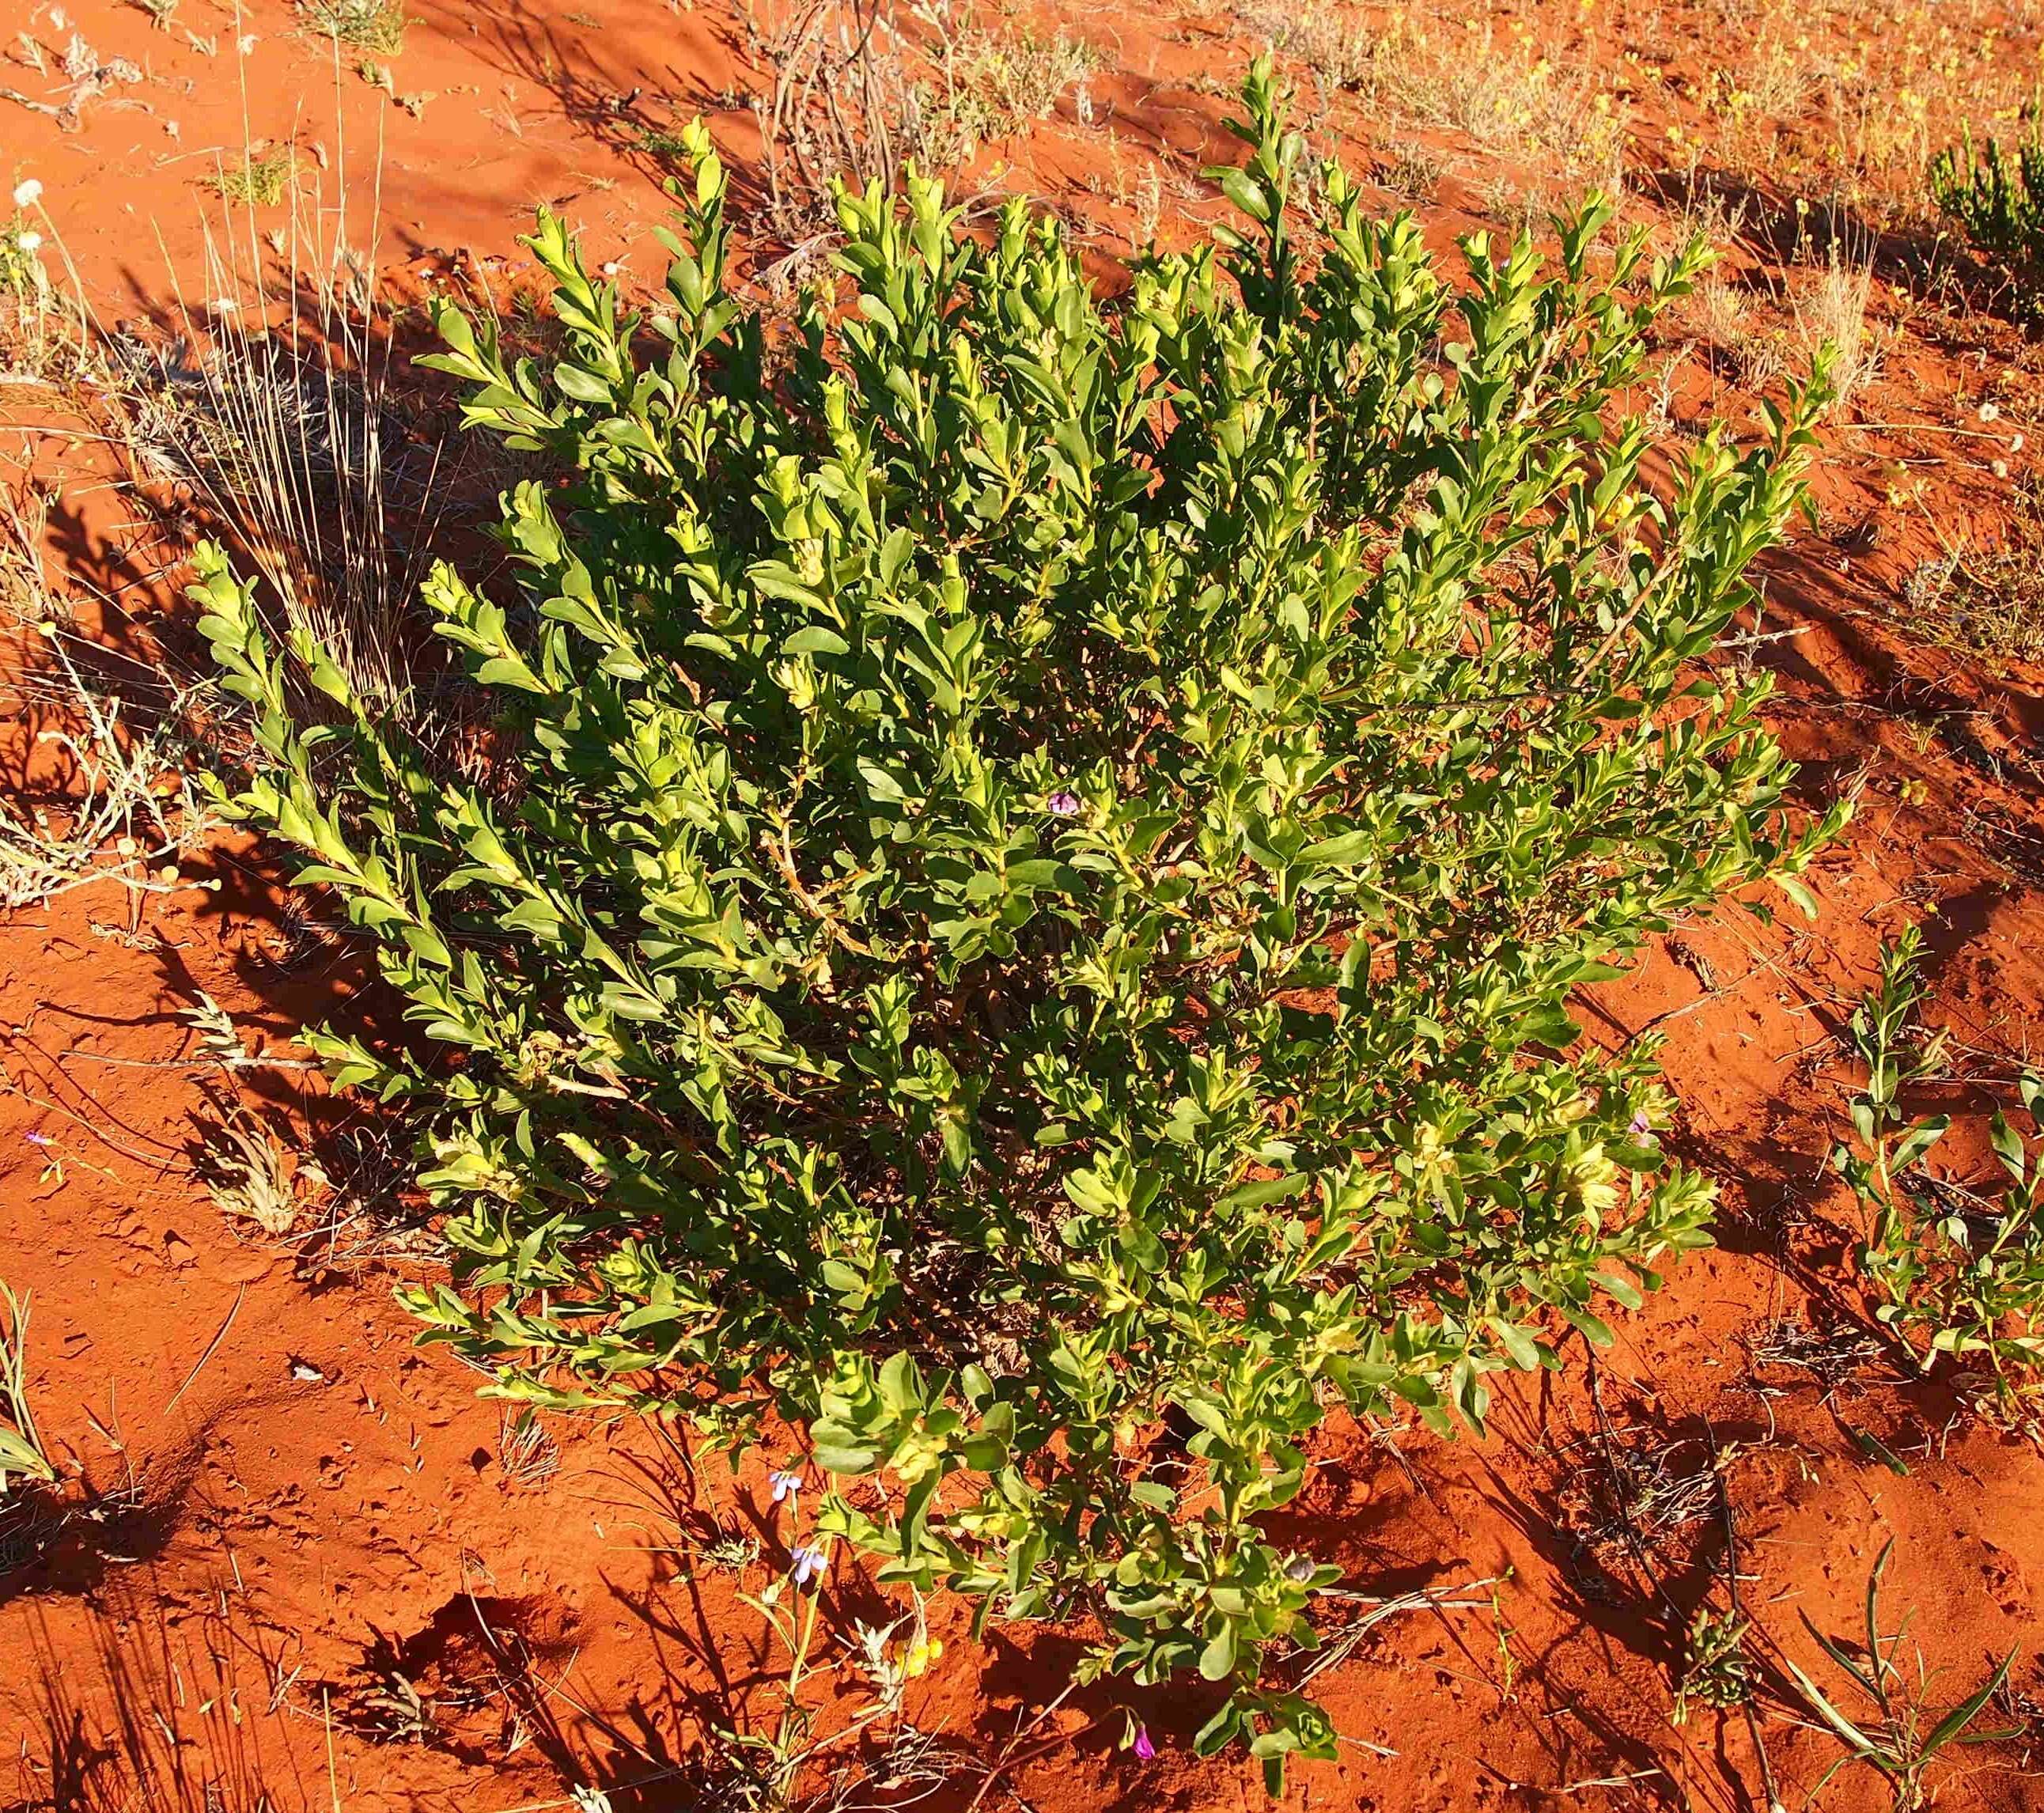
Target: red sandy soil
[{"x": 277, "y": 1512}]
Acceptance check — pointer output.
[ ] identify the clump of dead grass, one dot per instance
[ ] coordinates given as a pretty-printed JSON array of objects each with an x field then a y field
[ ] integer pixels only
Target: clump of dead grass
[
  {"x": 275, "y": 408},
  {"x": 1500, "y": 89},
  {"x": 858, "y": 95},
  {"x": 112, "y": 799},
  {"x": 1328, "y": 39},
  {"x": 1990, "y": 600},
  {"x": 1833, "y": 311},
  {"x": 254, "y": 1177},
  {"x": 1718, "y": 312}
]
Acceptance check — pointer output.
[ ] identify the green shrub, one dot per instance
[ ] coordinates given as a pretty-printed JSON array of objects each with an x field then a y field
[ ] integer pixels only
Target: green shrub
[
  {"x": 1959, "y": 1272},
  {"x": 1025, "y": 923},
  {"x": 1999, "y": 205}
]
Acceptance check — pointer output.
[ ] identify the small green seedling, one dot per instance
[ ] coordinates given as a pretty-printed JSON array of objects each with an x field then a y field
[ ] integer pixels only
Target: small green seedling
[
  {"x": 1716, "y": 1671},
  {"x": 1901, "y": 1741}
]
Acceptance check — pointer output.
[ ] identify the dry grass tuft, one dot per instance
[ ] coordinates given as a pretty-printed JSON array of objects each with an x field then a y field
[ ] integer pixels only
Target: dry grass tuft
[
  {"x": 251, "y": 1175},
  {"x": 1509, "y": 97},
  {"x": 1834, "y": 313},
  {"x": 1718, "y": 312},
  {"x": 857, "y": 95},
  {"x": 1341, "y": 54},
  {"x": 276, "y": 408},
  {"x": 117, "y": 804},
  {"x": 1989, "y": 601}
]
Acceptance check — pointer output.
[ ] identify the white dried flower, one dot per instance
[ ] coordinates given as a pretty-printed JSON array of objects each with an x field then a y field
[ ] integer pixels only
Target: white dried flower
[{"x": 27, "y": 194}]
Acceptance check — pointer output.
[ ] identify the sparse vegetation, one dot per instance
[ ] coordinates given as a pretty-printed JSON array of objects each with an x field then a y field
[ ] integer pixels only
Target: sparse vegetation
[
  {"x": 21, "y": 1453},
  {"x": 1903, "y": 1736},
  {"x": 1996, "y": 201},
  {"x": 1329, "y": 39},
  {"x": 375, "y": 28},
  {"x": 933, "y": 929},
  {"x": 1990, "y": 599},
  {"x": 259, "y": 179},
  {"x": 1492, "y": 83},
  {"x": 121, "y": 806},
  {"x": 1960, "y": 1272},
  {"x": 997, "y": 82},
  {"x": 855, "y": 96}
]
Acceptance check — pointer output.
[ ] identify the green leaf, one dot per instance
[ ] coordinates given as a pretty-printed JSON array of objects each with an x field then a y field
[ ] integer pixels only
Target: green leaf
[
  {"x": 816, "y": 640},
  {"x": 1217, "y": 1659},
  {"x": 1342, "y": 852}
]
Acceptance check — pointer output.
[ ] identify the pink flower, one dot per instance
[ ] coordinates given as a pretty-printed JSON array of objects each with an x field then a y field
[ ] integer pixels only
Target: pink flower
[
  {"x": 1143, "y": 1748},
  {"x": 1063, "y": 804}
]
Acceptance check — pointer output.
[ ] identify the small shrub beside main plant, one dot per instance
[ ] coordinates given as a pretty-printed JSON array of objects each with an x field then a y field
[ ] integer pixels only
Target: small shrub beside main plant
[
  {"x": 1024, "y": 927},
  {"x": 1996, "y": 200}
]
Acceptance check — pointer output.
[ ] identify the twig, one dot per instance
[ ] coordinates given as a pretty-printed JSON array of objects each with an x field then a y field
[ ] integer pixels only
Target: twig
[
  {"x": 1632, "y": 1538},
  {"x": 1738, "y": 1611},
  {"x": 234, "y": 1310},
  {"x": 1345, "y": 1646},
  {"x": 1010, "y": 1759}
]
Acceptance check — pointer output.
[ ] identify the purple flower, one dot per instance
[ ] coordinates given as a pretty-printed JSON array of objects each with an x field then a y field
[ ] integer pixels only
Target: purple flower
[
  {"x": 39, "y": 1139},
  {"x": 1641, "y": 1124},
  {"x": 1144, "y": 1747},
  {"x": 1063, "y": 804},
  {"x": 784, "y": 1482},
  {"x": 809, "y": 1565}
]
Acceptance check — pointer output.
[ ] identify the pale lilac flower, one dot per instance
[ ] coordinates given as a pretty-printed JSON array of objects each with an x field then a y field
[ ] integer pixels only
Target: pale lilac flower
[
  {"x": 784, "y": 1482},
  {"x": 39, "y": 1139},
  {"x": 1641, "y": 1124},
  {"x": 809, "y": 1565},
  {"x": 1063, "y": 804},
  {"x": 1299, "y": 1570},
  {"x": 1144, "y": 1749}
]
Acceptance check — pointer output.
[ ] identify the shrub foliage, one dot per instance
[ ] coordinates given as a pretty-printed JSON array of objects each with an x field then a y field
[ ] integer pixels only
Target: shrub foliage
[
  {"x": 1996, "y": 201},
  {"x": 1025, "y": 926}
]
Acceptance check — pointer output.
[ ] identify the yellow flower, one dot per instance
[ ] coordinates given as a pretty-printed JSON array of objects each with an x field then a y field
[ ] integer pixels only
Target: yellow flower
[{"x": 1589, "y": 1176}]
